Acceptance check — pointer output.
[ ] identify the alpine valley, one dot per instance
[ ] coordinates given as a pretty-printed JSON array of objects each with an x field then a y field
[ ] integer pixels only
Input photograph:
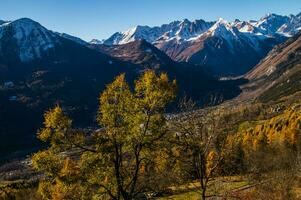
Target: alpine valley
[
  {"x": 40, "y": 68},
  {"x": 185, "y": 110}
]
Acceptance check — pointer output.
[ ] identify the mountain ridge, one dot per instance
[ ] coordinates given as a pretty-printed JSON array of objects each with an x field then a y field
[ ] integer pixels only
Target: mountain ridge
[
  {"x": 275, "y": 21},
  {"x": 207, "y": 43},
  {"x": 34, "y": 78}
]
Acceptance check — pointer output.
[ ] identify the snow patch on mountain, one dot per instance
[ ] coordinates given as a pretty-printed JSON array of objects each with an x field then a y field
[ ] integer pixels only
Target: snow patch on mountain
[
  {"x": 178, "y": 30},
  {"x": 223, "y": 29},
  {"x": 96, "y": 41},
  {"x": 2, "y": 22},
  {"x": 31, "y": 38},
  {"x": 271, "y": 25}
]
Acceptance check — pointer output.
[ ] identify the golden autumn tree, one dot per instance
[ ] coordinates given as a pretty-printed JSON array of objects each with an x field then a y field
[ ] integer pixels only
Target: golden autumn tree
[
  {"x": 113, "y": 163},
  {"x": 62, "y": 173},
  {"x": 133, "y": 123}
]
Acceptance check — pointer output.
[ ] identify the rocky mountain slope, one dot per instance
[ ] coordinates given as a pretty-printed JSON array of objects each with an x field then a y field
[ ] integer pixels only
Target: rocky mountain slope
[
  {"x": 277, "y": 75},
  {"x": 193, "y": 81}
]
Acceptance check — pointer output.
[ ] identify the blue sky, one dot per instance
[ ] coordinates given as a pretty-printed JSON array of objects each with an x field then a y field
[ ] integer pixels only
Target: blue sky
[{"x": 100, "y": 18}]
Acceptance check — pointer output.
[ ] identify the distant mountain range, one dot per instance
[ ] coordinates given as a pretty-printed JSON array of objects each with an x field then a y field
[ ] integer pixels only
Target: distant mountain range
[
  {"x": 227, "y": 48},
  {"x": 267, "y": 26},
  {"x": 193, "y": 80},
  {"x": 40, "y": 68}
]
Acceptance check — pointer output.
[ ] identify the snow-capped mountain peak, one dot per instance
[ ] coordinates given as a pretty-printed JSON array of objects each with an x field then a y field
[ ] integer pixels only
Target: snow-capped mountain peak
[
  {"x": 135, "y": 33},
  {"x": 30, "y": 37},
  {"x": 270, "y": 23},
  {"x": 188, "y": 31},
  {"x": 185, "y": 30},
  {"x": 178, "y": 30},
  {"x": 223, "y": 28},
  {"x": 246, "y": 27},
  {"x": 221, "y": 22},
  {"x": 200, "y": 41},
  {"x": 23, "y": 27}
]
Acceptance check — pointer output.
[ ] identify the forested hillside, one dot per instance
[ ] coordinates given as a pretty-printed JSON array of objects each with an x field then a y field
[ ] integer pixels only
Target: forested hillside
[{"x": 185, "y": 110}]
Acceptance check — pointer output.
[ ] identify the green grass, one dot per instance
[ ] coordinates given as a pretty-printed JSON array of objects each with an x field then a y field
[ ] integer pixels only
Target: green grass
[
  {"x": 193, "y": 195},
  {"x": 219, "y": 186}
]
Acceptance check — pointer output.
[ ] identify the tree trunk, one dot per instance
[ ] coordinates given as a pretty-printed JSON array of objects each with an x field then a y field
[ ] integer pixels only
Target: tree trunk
[
  {"x": 204, "y": 194},
  {"x": 202, "y": 163},
  {"x": 125, "y": 196}
]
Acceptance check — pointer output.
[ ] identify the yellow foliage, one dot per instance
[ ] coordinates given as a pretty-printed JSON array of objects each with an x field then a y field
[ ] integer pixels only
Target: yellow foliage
[
  {"x": 133, "y": 121},
  {"x": 47, "y": 162},
  {"x": 212, "y": 159},
  {"x": 56, "y": 126},
  {"x": 279, "y": 130}
]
